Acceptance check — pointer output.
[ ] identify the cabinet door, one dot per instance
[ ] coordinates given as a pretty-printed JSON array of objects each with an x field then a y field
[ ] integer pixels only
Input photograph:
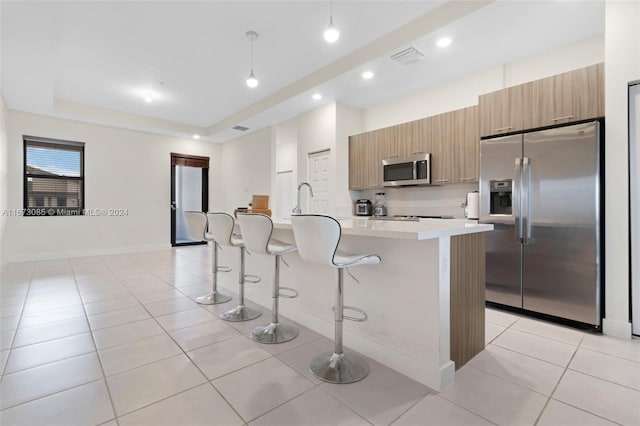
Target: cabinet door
[
  {"x": 585, "y": 93},
  {"x": 466, "y": 145},
  {"x": 373, "y": 159},
  {"x": 566, "y": 97},
  {"x": 600, "y": 68},
  {"x": 542, "y": 102},
  {"x": 356, "y": 161},
  {"x": 392, "y": 142},
  {"x": 501, "y": 111},
  {"x": 420, "y": 142},
  {"x": 442, "y": 135}
]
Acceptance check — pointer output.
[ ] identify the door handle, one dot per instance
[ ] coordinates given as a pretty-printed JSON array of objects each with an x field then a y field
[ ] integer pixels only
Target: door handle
[
  {"x": 173, "y": 205},
  {"x": 515, "y": 191},
  {"x": 526, "y": 196}
]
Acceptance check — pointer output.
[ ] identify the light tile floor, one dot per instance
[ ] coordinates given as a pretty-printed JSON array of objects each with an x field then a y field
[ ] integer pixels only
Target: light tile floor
[{"x": 118, "y": 340}]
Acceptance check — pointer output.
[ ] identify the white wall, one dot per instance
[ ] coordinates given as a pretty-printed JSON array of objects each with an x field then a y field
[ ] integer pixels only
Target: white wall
[
  {"x": 246, "y": 169},
  {"x": 284, "y": 154},
  {"x": 349, "y": 121},
  {"x": 317, "y": 132},
  {"x": 124, "y": 169},
  {"x": 622, "y": 65},
  {"x": 4, "y": 165}
]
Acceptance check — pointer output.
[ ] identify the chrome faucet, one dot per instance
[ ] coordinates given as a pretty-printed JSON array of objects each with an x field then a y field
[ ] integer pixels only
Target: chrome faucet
[{"x": 297, "y": 209}]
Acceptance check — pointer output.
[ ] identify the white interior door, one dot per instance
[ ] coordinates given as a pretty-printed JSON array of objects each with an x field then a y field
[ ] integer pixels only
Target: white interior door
[
  {"x": 285, "y": 191},
  {"x": 318, "y": 167}
]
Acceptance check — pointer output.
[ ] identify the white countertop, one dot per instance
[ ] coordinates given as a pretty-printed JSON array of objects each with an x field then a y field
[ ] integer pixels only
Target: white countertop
[{"x": 422, "y": 230}]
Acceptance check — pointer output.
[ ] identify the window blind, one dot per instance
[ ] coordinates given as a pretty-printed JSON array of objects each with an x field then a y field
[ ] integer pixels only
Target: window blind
[{"x": 53, "y": 177}]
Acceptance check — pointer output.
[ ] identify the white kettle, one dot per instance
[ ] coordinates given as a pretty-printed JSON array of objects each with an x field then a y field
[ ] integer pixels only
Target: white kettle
[{"x": 472, "y": 206}]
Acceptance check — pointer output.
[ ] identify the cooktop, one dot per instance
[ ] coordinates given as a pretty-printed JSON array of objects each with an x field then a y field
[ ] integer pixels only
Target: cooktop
[{"x": 415, "y": 218}]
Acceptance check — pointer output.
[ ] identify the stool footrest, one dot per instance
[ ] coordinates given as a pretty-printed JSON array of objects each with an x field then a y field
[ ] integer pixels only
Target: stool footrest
[
  {"x": 363, "y": 318},
  {"x": 288, "y": 296},
  {"x": 224, "y": 269},
  {"x": 252, "y": 279}
]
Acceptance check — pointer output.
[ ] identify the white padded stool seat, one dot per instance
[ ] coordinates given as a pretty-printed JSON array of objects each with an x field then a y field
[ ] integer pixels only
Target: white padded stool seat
[
  {"x": 196, "y": 223},
  {"x": 221, "y": 230},
  {"x": 317, "y": 238},
  {"x": 257, "y": 232},
  {"x": 199, "y": 224}
]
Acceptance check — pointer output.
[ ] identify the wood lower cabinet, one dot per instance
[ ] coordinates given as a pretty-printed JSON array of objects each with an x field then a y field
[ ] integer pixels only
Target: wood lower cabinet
[
  {"x": 566, "y": 97},
  {"x": 501, "y": 111},
  {"x": 466, "y": 146}
]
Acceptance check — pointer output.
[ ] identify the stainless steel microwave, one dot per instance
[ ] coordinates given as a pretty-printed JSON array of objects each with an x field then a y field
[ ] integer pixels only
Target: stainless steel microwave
[{"x": 406, "y": 171}]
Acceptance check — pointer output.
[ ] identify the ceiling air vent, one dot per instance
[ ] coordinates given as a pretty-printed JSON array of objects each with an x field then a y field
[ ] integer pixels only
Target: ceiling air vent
[
  {"x": 241, "y": 128},
  {"x": 408, "y": 56}
]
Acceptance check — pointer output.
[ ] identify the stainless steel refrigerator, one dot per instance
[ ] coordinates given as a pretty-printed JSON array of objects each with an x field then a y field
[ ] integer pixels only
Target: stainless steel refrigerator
[{"x": 541, "y": 191}]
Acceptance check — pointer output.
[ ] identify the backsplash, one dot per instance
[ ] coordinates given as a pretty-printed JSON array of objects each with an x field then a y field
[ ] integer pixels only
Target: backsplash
[{"x": 430, "y": 200}]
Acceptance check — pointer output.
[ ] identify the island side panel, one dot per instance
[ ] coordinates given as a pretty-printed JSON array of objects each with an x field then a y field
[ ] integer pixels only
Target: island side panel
[{"x": 467, "y": 309}]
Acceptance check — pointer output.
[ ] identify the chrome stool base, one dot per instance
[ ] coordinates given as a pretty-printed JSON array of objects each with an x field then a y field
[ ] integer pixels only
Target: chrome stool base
[
  {"x": 339, "y": 368},
  {"x": 274, "y": 333},
  {"x": 240, "y": 313},
  {"x": 213, "y": 299}
]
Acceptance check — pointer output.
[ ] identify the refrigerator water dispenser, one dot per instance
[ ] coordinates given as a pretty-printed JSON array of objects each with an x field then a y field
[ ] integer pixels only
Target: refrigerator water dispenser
[{"x": 500, "y": 199}]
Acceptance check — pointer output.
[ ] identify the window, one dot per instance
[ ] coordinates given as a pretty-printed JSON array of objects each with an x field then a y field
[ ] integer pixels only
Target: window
[{"x": 53, "y": 177}]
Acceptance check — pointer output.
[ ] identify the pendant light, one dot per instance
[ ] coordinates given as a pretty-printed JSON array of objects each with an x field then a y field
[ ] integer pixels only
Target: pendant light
[
  {"x": 331, "y": 34},
  {"x": 252, "y": 81}
]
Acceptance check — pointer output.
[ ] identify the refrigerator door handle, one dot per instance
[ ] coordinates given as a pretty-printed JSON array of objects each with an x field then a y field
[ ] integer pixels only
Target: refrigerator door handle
[
  {"x": 526, "y": 198},
  {"x": 517, "y": 182}
]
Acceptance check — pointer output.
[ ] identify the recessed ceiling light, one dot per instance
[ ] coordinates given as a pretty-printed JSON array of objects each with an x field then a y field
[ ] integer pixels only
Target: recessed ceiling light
[
  {"x": 443, "y": 42},
  {"x": 196, "y": 136},
  {"x": 367, "y": 75},
  {"x": 316, "y": 96},
  {"x": 148, "y": 99}
]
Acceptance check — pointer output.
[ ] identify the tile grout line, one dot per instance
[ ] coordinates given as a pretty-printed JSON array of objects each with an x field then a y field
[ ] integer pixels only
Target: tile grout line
[
  {"x": 13, "y": 338},
  {"x": 86, "y": 317},
  {"x": 558, "y": 382},
  {"x": 207, "y": 380},
  {"x": 438, "y": 395},
  {"x": 431, "y": 392}
]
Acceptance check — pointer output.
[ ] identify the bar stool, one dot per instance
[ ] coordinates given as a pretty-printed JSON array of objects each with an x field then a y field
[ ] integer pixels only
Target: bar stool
[
  {"x": 257, "y": 230},
  {"x": 317, "y": 238},
  {"x": 221, "y": 231},
  {"x": 198, "y": 223}
]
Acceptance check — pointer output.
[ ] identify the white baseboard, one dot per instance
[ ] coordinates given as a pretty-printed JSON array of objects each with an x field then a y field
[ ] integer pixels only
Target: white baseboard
[
  {"x": 64, "y": 254},
  {"x": 615, "y": 328}
]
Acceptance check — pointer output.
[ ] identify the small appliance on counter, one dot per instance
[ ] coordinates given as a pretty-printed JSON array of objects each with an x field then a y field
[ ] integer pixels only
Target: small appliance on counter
[
  {"x": 363, "y": 207},
  {"x": 379, "y": 209},
  {"x": 472, "y": 206}
]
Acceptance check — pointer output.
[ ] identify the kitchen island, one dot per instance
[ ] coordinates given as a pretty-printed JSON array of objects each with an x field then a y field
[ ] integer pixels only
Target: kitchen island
[{"x": 425, "y": 300}]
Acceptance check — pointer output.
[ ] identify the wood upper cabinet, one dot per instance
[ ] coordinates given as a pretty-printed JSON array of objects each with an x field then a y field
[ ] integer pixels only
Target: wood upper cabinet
[
  {"x": 421, "y": 137},
  {"x": 501, "y": 111},
  {"x": 356, "y": 161},
  {"x": 563, "y": 98},
  {"x": 392, "y": 141},
  {"x": 365, "y": 160},
  {"x": 443, "y": 129},
  {"x": 466, "y": 145}
]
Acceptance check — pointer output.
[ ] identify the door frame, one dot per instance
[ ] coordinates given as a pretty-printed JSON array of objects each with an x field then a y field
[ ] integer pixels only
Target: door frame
[{"x": 191, "y": 161}]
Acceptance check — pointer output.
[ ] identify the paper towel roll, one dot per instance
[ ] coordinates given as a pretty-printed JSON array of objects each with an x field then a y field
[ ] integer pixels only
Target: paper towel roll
[{"x": 472, "y": 211}]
